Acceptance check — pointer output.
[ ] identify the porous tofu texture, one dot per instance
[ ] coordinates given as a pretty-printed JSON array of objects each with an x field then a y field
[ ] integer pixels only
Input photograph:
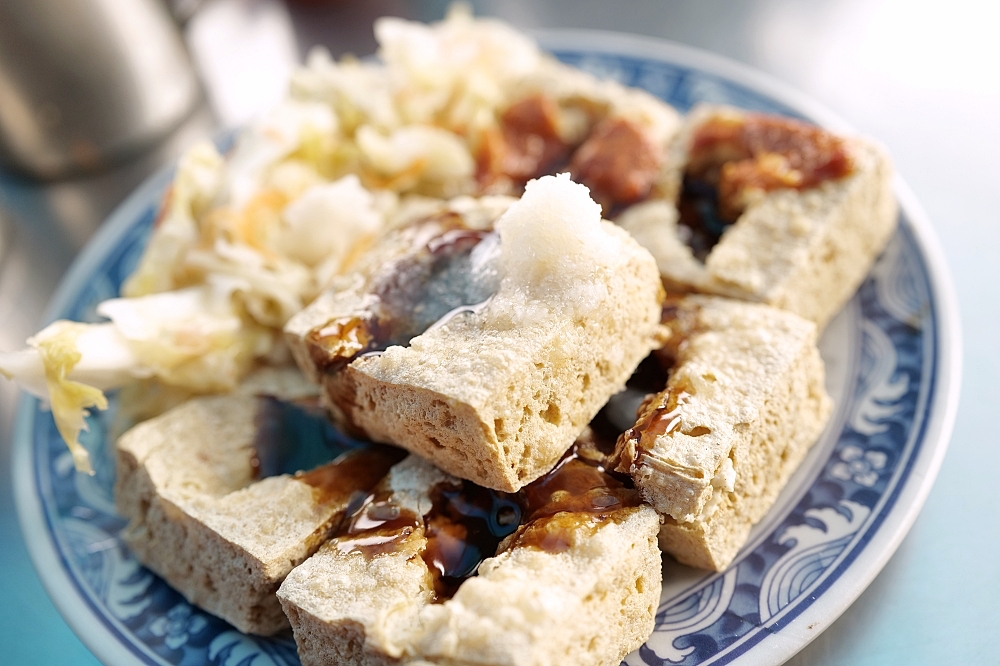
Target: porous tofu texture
[
  {"x": 498, "y": 393},
  {"x": 752, "y": 401},
  {"x": 806, "y": 251},
  {"x": 591, "y": 604},
  {"x": 199, "y": 518}
]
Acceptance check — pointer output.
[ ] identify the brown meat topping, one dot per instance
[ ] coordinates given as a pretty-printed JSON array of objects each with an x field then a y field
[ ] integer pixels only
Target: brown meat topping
[
  {"x": 757, "y": 152},
  {"x": 617, "y": 162},
  {"x": 527, "y": 145}
]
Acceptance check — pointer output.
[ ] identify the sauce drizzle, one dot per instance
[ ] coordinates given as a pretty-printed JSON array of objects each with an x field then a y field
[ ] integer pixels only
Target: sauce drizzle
[
  {"x": 578, "y": 491},
  {"x": 468, "y": 523},
  {"x": 352, "y": 472},
  {"x": 409, "y": 294},
  {"x": 465, "y": 526},
  {"x": 377, "y": 527},
  {"x": 661, "y": 415},
  {"x": 733, "y": 157}
]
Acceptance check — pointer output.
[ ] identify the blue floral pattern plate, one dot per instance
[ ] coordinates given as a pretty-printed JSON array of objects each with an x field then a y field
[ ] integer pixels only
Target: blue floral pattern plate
[{"x": 892, "y": 364}]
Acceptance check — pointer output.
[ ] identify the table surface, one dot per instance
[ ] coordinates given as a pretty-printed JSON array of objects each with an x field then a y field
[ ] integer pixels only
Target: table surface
[{"x": 919, "y": 76}]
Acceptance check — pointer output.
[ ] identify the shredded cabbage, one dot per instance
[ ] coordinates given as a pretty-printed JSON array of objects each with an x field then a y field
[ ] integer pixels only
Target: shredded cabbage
[
  {"x": 57, "y": 351},
  {"x": 416, "y": 154},
  {"x": 195, "y": 339},
  {"x": 243, "y": 242},
  {"x": 198, "y": 178}
]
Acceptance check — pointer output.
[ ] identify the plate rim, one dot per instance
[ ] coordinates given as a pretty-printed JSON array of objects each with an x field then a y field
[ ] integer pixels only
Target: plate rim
[
  {"x": 778, "y": 646},
  {"x": 55, "y": 578}
]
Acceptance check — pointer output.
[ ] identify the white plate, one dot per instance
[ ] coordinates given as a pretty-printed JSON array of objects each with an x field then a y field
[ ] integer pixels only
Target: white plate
[{"x": 892, "y": 363}]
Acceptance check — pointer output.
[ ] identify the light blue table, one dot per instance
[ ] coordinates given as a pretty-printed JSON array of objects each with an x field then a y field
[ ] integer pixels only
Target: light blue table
[{"x": 921, "y": 78}]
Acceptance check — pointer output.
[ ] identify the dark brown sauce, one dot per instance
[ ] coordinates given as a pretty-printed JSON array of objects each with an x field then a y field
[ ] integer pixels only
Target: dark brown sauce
[
  {"x": 661, "y": 415},
  {"x": 731, "y": 156},
  {"x": 377, "y": 527},
  {"x": 354, "y": 471},
  {"x": 554, "y": 534},
  {"x": 337, "y": 343},
  {"x": 664, "y": 418},
  {"x": 410, "y": 294},
  {"x": 468, "y": 523},
  {"x": 465, "y": 526},
  {"x": 700, "y": 224},
  {"x": 575, "y": 485},
  {"x": 578, "y": 491}
]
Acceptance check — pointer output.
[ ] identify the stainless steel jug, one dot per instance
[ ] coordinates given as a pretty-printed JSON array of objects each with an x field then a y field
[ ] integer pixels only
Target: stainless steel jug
[{"x": 86, "y": 82}]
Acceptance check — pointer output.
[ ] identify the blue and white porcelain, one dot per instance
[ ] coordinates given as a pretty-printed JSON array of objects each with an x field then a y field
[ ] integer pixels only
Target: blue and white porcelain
[{"x": 892, "y": 364}]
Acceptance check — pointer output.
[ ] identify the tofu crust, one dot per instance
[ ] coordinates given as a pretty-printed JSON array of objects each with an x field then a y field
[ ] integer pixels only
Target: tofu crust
[
  {"x": 801, "y": 250},
  {"x": 500, "y": 406},
  {"x": 199, "y": 518},
  {"x": 744, "y": 403},
  {"x": 591, "y": 604},
  {"x": 498, "y": 393}
]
